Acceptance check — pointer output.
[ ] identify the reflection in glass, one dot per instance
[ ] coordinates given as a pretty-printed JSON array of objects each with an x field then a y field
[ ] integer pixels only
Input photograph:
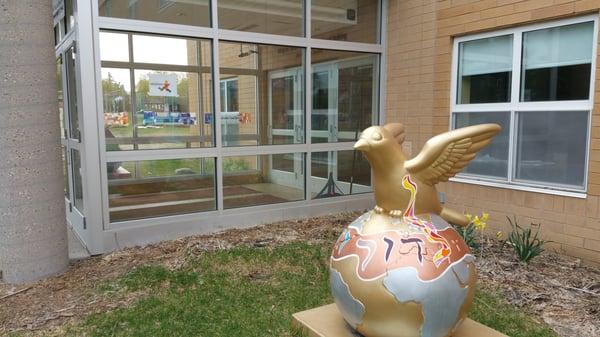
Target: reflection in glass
[
  {"x": 229, "y": 95},
  {"x": 168, "y": 50},
  {"x": 170, "y": 108},
  {"x": 195, "y": 13},
  {"x": 114, "y": 47},
  {"x": 262, "y": 94},
  {"x": 344, "y": 91},
  {"x": 168, "y": 118},
  {"x": 491, "y": 161},
  {"x": 557, "y": 63},
  {"x": 116, "y": 99},
  {"x": 282, "y": 17},
  {"x": 355, "y": 21},
  {"x": 485, "y": 70},
  {"x": 69, "y": 19},
  {"x": 551, "y": 147},
  {"x": 77, "y": 181},
  {"x": 151, "y": 188},
  {"x": 263, "y": 179},
  {"x": 65, "y": 161},
  {"x": 336, "y": 173},
  {"x": 71, "y": 63},
  {"x": 60, "y": 97}
]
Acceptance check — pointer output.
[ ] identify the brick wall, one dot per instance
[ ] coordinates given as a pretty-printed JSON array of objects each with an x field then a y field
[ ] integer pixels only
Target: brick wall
[{"x": 420, "y": 40}]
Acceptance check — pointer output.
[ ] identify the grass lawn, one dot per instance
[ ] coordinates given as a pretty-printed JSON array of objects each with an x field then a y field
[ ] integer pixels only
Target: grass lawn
[{"x": 248, "y": 291}]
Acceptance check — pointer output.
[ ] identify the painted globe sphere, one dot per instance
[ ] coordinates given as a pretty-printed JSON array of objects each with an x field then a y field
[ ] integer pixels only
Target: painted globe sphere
[{"x": 410, "y": 276}]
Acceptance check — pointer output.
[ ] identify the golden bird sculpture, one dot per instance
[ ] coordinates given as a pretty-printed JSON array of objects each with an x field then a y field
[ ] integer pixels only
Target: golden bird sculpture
[{"x": 442, "y": 157}]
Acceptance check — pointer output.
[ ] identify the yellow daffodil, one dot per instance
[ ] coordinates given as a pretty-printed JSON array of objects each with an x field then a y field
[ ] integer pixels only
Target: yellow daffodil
[
  {"x": 485, "y": 217},
  {"x": 479, "y": 223}
]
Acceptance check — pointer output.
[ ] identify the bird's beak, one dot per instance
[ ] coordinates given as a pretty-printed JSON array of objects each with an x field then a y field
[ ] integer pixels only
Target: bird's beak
[{"x": 362, "y": 145}]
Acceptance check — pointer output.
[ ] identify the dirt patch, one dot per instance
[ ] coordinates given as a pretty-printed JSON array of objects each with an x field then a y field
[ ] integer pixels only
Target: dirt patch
[{"x": 556, "y": 289}]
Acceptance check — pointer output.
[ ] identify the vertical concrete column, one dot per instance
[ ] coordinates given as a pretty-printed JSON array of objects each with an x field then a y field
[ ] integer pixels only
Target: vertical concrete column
[{"x": 33, "y": 231}]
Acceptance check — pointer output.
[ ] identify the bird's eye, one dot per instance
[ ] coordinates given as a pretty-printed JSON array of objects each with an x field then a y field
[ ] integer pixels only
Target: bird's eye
[{"x": 376, "y": 136}]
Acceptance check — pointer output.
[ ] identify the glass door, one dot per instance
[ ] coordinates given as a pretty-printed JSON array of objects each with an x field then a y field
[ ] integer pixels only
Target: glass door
[
  {"x": 286, "y": 125},
  {"x": 71, "y": 137},
  {"x": 343, "y": 105},
  {"x": 324, "y": 103}
]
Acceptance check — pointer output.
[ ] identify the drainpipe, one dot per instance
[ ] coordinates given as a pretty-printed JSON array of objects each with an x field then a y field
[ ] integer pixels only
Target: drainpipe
[{"x": 33, "y": 230}]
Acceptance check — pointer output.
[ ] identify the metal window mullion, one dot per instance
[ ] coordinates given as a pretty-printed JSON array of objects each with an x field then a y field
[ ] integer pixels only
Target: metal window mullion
[
  {"x": 262, "y": 150},
  {"x": 382, "y": 78},
  {"x": 308, "y": 19},
  {"x": 159, "y": 154},
  {"x": 515, "y": 98},
  {"x": 200, "y": 93},
  {"x": 154, "y": 27},
  {"x": 216, "y": 94},
  {"x": 154, "y": 66},
  {"x": 591, "y": 99},
  {"x": 512, "y": 146},
  {"x": 308, "y": 111}
]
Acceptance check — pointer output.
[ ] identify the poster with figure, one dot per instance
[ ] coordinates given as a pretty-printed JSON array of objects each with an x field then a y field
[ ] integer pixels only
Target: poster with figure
[{"x": 163, "y": 85}]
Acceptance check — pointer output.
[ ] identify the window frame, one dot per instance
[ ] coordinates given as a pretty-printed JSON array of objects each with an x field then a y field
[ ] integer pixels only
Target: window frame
[{"x": 514, "y": 106}]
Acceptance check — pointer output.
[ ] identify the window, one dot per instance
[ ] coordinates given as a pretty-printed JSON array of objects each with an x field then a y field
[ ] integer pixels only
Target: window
[
  {"x": 283, "y": 17},
  {"x": 212, "y": 108},
  {"x": 485, "y": 68},
  {"x": 535, "y": 82},
  {"x": 263, "y": 179},
  {"x": 336, "y": 173},
  {"x": 556, "y": 63},
  {"x": 345, "y": 20},
  {"x": 158, "y": 99},
  {"x": 196, "y": 13},
  {"x": 344, "y": 88},
  {"x": 151, "y": 188},
  {"x": 262, "y": 94}
]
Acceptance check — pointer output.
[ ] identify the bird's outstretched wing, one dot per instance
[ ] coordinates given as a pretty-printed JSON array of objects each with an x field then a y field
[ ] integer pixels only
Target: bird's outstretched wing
[
  {"x": 397, "y": 130},
  {"x": 443, "y": 156}
]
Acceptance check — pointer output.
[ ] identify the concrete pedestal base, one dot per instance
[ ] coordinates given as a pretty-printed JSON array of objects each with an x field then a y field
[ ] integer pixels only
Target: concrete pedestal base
[{"x": 326, "y": 321}]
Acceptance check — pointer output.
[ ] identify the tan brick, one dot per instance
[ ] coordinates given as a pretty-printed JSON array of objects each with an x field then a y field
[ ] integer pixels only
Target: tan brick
[
  {"x": 584, "y": 232},
  {"x": 506, "y": 2},
  {"x": 481, "y": 25},
  {"x": 572, "y": 240},
  {"x": 592, "y": 206},
  {"x": 591, "y": 245},
  {"x": 586, "y": 5},
  {"x": 559, "y": 203},
  {"x": 513, "y": 19},
  {"x": 532, "y": 4},
  {"x": 593, "y": 224},
  {"x": 459, "y": 20},
  {"x": 494, "y": 12},
  {"x": 575, "y": 206},
  {"x": 552, "y": 12},
  {"x": 534, "y": 200},
  {"x": 593, "y": 189},
  {"x": 587, "y": 254},
  {"x": 553, "y": 216}
]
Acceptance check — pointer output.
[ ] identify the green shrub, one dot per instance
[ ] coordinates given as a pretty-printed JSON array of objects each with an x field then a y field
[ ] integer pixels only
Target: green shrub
[{"x": 525, "y": 245}]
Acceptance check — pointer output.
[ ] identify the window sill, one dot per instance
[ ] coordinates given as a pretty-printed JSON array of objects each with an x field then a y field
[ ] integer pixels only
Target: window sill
[{"x": 572, "y": 194}]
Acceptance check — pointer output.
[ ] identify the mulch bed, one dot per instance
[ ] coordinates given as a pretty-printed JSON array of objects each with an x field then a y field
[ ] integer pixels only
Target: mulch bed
[{"x": 558, "y": 290}]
